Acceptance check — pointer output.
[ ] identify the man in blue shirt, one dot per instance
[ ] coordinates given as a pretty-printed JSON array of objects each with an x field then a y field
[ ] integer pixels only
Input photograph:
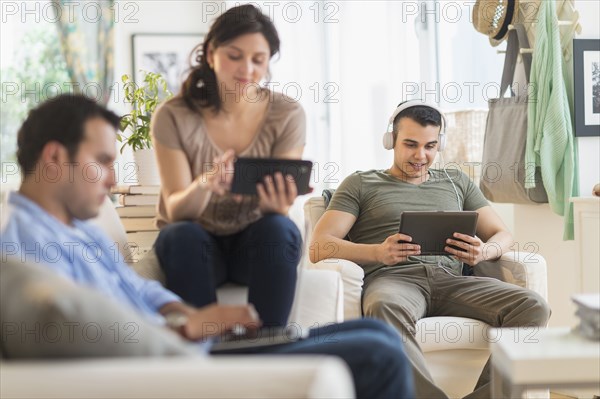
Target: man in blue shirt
[{"x": 66, "y": 150}]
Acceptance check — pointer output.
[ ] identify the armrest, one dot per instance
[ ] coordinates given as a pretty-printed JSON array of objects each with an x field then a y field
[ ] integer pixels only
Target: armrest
[
  {"x": 319, "y": 298},
  {"x": 352, "y": 279},
  {"x": 149, "y": 267},
  {"x": 525, "y": 269},
  {"x": 254, "y": 377}
]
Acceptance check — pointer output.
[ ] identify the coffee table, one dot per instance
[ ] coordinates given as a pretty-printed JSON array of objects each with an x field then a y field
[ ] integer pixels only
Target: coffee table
[{"x": 535, "y": 358}]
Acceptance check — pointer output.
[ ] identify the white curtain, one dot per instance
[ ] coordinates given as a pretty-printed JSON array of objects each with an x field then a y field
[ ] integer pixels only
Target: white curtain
[{"x": 375, "y": 52}]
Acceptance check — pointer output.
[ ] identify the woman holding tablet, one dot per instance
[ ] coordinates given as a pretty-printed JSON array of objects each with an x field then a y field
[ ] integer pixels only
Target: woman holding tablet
[{"x": 208, "y": 235}]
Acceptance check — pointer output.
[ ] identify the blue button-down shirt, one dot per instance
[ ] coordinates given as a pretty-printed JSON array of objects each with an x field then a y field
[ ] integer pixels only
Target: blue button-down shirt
[{"x": 81, "y": 252}]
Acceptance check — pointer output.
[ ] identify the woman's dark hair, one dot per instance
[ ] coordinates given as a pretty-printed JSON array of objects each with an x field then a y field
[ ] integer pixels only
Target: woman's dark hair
[
  {"x": 60, "y": 119},
  {"x": 200, "y": 89}
]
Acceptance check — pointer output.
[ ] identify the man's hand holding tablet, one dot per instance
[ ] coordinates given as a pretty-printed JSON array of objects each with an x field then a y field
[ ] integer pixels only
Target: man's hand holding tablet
[
  {"x": 396, "y": 249},
  {"x": 471, "y": 249}
]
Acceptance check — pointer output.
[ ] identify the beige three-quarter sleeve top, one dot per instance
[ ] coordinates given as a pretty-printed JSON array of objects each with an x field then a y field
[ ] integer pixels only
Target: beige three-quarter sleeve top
[{"x": 176, "y": 126}]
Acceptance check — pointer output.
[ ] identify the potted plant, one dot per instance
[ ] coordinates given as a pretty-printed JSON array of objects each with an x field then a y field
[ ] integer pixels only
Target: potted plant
[{"x": 144, "y": 99}]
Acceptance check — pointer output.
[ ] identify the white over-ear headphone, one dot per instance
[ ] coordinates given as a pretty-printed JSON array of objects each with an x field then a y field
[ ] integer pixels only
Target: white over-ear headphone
[{"x": 388, "y": 137}]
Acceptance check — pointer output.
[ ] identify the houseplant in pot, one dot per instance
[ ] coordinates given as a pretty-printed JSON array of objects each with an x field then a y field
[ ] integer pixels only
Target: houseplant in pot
[{"x": 135, "y": 126}]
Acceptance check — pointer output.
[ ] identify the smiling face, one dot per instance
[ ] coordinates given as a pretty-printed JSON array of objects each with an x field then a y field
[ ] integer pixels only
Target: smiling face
[
  {"x": 415, "y": 149},
  {"x": 240, "y": 62},
  {"x": 92, "y": 170}
]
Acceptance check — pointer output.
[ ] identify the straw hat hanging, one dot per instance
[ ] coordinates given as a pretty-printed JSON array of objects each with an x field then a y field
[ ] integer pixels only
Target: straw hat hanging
[{"x": 492, "y": 17}]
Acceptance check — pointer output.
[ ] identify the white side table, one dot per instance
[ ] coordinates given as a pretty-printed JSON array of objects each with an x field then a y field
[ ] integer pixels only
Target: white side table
[
  {"x": 586, "y": 212},
  {"x": 534, "y": 358}
]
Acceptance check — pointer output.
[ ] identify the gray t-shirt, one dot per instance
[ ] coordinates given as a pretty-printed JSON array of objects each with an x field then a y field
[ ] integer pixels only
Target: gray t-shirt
[
  {"x": 377, "y": 199},
  {"x": 176, "y": 126}
]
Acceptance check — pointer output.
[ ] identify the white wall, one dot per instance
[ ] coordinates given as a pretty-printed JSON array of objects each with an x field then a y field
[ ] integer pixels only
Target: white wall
[
  {"x": 158, "y": 16},
  {"x": 589, "y": 147}
]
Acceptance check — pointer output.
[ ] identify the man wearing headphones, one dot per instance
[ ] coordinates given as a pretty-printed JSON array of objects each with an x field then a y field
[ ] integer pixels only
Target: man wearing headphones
[{"x": 401, "y": 286}]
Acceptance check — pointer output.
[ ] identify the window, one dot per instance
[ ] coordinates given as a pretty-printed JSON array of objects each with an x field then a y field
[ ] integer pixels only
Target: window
[
  {"x": 347, "y": 64},
  {"x": 32, "y": 68},
  {"x": 469, "y": 69}
]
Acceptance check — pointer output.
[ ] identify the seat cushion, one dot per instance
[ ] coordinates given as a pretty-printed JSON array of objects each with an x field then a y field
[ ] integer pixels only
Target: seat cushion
[
  {"x": 149, "y": 267},
  {"x": 452, "y": 333},
  {"x": 44, "y": 315},
  {"x": 318, "y": 299}
]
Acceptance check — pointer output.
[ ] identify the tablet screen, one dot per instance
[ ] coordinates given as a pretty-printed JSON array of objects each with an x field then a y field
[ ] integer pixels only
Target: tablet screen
[
  {"x": 250, "y": 171},
  {"x": 431, "y": 229}
]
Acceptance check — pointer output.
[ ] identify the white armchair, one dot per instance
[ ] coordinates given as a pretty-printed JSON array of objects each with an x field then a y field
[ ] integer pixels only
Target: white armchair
[{"x": 455, "y": 348}]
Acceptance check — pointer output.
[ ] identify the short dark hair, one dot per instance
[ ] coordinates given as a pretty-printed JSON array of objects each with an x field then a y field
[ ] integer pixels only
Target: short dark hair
[
  {"x": 422, "y": 114},
  {"x": 200, "y": 90},
  {"x": 60, "y": 119}
]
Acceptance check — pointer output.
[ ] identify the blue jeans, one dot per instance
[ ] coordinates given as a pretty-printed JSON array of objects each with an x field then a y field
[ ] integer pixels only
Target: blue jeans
[
  {"x": 372, "y": 350},
  {"x": 264, "y": 256}
]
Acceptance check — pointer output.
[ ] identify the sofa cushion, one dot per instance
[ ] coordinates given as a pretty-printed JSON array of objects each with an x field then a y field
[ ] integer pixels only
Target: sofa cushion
[
  {"x": 149, "y": 267},
  {"x": 109, "y": 222},
  {"x": 314, "y": 208},
  {"x": 46, "y": 315},
  {"x": 443, "y": 333}
]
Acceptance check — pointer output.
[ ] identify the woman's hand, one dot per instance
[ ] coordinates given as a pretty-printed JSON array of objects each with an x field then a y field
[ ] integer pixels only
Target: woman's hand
[
  {"x": 276, "y": 195},
  {"x": 219, "y": 179}
]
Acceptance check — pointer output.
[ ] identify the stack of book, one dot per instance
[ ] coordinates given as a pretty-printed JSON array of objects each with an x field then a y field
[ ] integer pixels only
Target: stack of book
[
  {"x": 137, "y": 210},
  {"x": 588, "y": 311}
]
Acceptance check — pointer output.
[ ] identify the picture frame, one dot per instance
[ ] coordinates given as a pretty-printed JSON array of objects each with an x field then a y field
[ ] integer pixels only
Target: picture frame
[
  {"x": 169, "y": 54},
  {"x": 586, "y": 73}
]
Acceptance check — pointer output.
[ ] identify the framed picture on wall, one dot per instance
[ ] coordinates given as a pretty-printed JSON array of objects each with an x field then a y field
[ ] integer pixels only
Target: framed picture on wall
[
  {"x": 586, "y": 64},
  {"x": 166, "y": 53}
]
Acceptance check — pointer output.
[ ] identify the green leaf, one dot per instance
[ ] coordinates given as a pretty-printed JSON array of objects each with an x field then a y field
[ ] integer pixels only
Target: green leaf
[{"x": 143, "y": 99}]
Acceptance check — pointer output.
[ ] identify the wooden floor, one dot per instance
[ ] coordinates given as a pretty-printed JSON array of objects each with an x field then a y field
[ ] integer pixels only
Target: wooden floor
[{"x": 559, "y": 396}]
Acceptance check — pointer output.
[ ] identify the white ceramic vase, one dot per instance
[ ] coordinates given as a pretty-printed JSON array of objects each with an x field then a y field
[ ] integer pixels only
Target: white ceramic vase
[{"x": 147, "y": 170}]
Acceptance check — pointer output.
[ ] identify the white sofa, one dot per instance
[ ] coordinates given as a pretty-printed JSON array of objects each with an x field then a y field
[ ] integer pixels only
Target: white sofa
[
  {"x": 455, "y": 348},
  {"x": 317, "y": 302},
  {"x": 319, "y": 293}
]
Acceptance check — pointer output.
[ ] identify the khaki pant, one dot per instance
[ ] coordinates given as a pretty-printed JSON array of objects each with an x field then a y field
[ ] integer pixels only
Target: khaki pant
[{"x": 401, "y": 295}]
